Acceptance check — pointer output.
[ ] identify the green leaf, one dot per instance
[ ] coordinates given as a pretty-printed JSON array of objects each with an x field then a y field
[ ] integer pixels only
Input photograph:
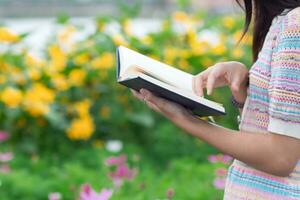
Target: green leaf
[{"x": 144, "y": 119}]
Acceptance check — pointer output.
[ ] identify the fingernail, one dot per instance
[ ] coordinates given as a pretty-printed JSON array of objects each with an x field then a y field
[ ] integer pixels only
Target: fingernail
[{"x": 144, "y": 92}]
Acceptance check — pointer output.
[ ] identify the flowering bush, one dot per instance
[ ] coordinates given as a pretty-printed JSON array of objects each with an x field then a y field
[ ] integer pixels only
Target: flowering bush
[
  {"x": 221, "y": 172},
  {"x": 72, "y": 93}
]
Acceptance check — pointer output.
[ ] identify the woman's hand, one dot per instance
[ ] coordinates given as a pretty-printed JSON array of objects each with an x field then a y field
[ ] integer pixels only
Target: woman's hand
[
  {"x": 170, "y": 110},
  {"x": 233, "y": 74}
]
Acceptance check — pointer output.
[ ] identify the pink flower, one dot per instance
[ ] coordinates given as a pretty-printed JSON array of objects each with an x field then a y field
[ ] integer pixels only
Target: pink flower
[
  {"x": 221, "y": 172},
  {"x": 170, "y": 193},
  {"x": 3, "y": 136},
  {"x": 219, "y": 183},
  {"x": 123, "y": 172},
  {"x": 226, "y": 159},
  {"x": 213, "y": 158},
  {"x": 54, "y": 196},
  {"x": 117, "y": 182},
  {"x": 116, "y": 160},
  {"x": 5, "y": 157},
  {"x": 87, "y": 193},
  {"x": 4, "y": 169}
]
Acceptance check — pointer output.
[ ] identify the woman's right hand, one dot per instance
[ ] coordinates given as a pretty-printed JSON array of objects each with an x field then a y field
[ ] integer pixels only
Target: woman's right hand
[{"x": 232, "y": 74}]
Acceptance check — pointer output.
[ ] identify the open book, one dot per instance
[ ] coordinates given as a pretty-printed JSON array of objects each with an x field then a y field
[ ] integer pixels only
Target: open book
[{"x": 137, "y": 71}]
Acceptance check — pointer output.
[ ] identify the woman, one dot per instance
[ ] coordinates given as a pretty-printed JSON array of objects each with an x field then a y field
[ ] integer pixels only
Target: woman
[{"x": 267, "y": 146}]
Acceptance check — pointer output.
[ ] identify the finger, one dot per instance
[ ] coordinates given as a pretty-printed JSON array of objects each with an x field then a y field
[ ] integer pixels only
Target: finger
[
  {"x": 235, "y": 85},
  {"x": 148, "y": 96},
  {"x": 198, "y": 85},
  {"x": 137, "y": 95},
  {"x": 153, "y": 106},
  {"x": 211, "y": 82},
  {"x": 199, "y": 82}
]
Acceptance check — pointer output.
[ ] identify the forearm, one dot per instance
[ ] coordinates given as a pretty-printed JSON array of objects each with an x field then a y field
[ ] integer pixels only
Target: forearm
[{"x": 257, "y": 150}]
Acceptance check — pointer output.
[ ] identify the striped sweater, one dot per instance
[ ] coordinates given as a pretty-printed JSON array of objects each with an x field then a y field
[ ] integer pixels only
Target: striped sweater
[{"x": 272, "y": 106}]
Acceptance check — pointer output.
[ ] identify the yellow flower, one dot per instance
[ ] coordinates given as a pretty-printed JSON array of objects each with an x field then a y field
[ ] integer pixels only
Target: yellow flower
[
  {"x": 77, "y": 77},
  {"x": 180, "y": 16},
  {"x": 248, "y": 39},
  {"x": 66, "y": 33},
  {"x": 153, "y": 56},
  {"x": 127, "y": 27},
  {"x": 147, "y": 40},
  {"x": 237, "y": 36},
  {"x": 207, "y": 62},
  {"x": 219, "y": 49},
  {"x": 33, "y": 62},
  {"x": 105, "y": 61},
  {"x": 81, "y": 128},
  {"x": 183, "y": 64},
  {"x": 58, "y": 57},
  {"x": 101, "y": 26},
  {"x": 118, "y": 39},
  {"x": 37, "y": 99},
  {"x": 12, "y": 97},
  {"x": 34, "y": 74},
  {"x": 81, "y": 59},
  {"x": 83, "y": 107},
  {"x": 2, "y": 78},
  {"x": 8, "y": 36},
  {"x": 170, "y": 54},
  {"x": 228, "y": 22},
  {"x": 187, "y": 22},
  {"x": 60, "y": 82},
  {"x": 105, "y": 112},
  {"x": 238, "y": 52},
  {"x": 200, "y": 47},
  {"x": 17, "y": 75}
]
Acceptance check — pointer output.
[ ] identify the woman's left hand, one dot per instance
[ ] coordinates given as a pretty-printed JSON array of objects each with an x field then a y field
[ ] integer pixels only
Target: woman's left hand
[{"x": 170, "y": 110}]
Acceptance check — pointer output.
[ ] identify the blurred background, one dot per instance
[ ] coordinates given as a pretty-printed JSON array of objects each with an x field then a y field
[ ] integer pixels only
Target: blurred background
[{"x": 69, "y": 131}]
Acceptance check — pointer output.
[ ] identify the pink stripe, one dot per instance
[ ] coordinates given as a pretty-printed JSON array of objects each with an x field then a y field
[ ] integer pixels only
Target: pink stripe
[
  {"x": 280, "y": 78},
  {"x": 290, "y": 63},
  {"x": 232, "y": 189}
]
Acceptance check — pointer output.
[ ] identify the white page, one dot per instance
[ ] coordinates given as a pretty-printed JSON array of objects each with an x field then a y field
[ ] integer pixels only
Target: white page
[{"x": 171, "y": 75}]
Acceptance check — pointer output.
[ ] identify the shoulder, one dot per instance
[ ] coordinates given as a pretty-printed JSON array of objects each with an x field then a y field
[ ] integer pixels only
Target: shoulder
[{"x": 291, "y": 22}]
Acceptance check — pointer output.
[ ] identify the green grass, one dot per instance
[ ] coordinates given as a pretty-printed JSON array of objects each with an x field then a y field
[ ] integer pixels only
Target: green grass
[{"x": 33, "y": 177}]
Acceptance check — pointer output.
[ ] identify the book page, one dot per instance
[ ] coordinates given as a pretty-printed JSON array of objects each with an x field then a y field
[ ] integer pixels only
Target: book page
[{"x": 161, "y": 71}]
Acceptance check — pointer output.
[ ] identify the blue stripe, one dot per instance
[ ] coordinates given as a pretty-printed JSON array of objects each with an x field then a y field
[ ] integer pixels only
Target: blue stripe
[
  {"x": 243, "y": 179},
  {"x": 284, "y": 45},
  {"x": 294, "y": 105},
  {"x": 287, "y": 70},
  {"x": 273, "y": 108}
]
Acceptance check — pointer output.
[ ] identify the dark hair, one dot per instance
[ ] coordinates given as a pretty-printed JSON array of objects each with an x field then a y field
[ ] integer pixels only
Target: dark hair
[{"x": 263, "y": 11}]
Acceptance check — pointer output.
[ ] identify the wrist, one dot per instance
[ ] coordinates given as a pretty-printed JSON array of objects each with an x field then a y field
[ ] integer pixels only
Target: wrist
[
  {"x": 240, "y": 97},
  {"x": 236, "y": 103}
]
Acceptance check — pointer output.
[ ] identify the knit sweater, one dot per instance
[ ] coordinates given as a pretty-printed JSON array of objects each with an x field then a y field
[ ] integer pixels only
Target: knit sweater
[{"x": 272, "y": 107}]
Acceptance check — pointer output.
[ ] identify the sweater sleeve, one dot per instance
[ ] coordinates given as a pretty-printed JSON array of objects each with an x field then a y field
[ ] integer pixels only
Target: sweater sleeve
[{"x": 284, "y": 86}]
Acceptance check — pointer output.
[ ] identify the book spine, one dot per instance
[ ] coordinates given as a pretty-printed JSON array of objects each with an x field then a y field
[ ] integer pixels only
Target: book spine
[{"x": 118, "y": 62}]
